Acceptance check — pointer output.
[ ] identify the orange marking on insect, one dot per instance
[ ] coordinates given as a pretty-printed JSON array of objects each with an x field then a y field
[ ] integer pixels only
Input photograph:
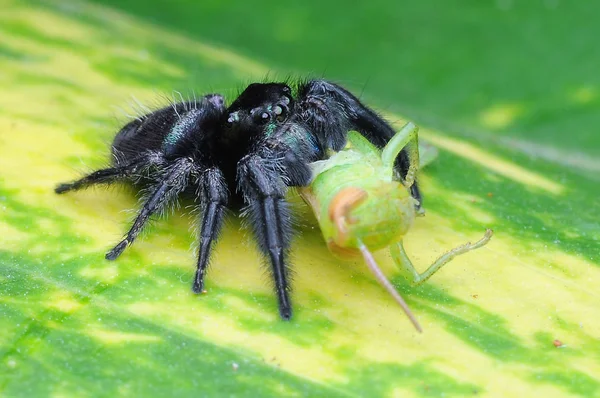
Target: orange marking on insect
[
  {"x": 343, "y": 252},
  {"x": 340, "y": 207}
]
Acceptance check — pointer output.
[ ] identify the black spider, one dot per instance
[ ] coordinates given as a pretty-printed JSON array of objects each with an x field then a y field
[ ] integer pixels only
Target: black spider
[{"x": 255, "y": 148}]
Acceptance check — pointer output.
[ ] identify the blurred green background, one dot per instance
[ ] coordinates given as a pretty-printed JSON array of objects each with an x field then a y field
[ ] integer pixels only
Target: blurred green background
[{"x": 517, "y": 69}]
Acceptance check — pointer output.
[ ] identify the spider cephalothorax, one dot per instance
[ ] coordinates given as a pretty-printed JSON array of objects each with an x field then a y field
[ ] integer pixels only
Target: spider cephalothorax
[{"x": 251, "y": 150}]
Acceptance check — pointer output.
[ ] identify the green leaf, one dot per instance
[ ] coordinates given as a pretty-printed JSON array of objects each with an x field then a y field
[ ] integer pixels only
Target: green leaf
[{"x": 74, "y": 324}]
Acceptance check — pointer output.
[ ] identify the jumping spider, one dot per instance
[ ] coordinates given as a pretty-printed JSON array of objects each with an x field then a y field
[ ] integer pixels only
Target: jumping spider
[{"x": 248, "y": 152}]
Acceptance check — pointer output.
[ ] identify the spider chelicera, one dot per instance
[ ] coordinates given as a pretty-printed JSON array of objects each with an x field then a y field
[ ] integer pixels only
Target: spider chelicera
[{"x": 249, "y": 152}]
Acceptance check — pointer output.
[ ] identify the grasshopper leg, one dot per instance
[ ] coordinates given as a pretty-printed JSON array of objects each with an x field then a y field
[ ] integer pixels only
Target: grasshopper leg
[{"x": 403, "y": 262}]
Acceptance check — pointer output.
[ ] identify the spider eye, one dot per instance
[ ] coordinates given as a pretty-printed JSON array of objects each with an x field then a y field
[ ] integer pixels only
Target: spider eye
[
  {"x": 260, "y": 116},
  {"x": 233, "y": 117},
  {"x": 285, "y": 100},
  {"x": 280, "y": 112}
]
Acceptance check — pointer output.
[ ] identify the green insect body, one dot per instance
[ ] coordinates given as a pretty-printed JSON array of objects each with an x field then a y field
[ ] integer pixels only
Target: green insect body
[
  {"x": 361, "y": 206},
  {"x": 360, "y": 170}
]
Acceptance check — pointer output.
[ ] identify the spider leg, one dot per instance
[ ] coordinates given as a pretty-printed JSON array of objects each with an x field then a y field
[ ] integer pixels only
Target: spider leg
[
  {"x": 111, "y": 174},
  {"x": 173, "y": 183},
  {"x": 330, "y": 111},
  {"x": 263, "y": 188},
  {"x": 213, "y": 189}
]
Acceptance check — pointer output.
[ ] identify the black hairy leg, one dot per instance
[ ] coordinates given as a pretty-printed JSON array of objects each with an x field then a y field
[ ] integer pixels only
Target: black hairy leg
[
  {"x": 264, "y": 191},
  {"x": 246, "y": 153},
  {"x": 330, "y": 111},
  {"x": 214, "y": 197},
  {"x": 129, "y": 170},
  {"x": 170, "y": 186}
]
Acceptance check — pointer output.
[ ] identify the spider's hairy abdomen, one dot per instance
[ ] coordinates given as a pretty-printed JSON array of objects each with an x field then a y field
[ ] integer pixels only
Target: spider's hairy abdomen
[{"x": 172, "y": 130}]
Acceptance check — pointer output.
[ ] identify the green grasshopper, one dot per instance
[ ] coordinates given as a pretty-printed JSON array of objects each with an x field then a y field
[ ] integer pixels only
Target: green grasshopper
[{"x": 362, "y": 207}]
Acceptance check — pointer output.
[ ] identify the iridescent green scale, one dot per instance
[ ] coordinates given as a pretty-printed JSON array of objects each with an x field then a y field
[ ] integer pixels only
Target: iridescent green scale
[{"x": 180, "y": 129}]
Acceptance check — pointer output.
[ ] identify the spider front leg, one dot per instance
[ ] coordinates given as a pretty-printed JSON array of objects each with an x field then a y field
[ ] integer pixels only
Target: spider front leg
[
  {"x": 173, "y": 182},
  {"x": 331, "y": 111},
  {"x": 416, "y": 278},
  {"x": 214, "y": 196},
  {"x": 264, "y": 190}
]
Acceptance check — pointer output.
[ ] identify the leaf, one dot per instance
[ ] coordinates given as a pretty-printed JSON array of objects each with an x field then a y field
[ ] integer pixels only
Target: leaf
[{"x": 74, "y": 324}]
